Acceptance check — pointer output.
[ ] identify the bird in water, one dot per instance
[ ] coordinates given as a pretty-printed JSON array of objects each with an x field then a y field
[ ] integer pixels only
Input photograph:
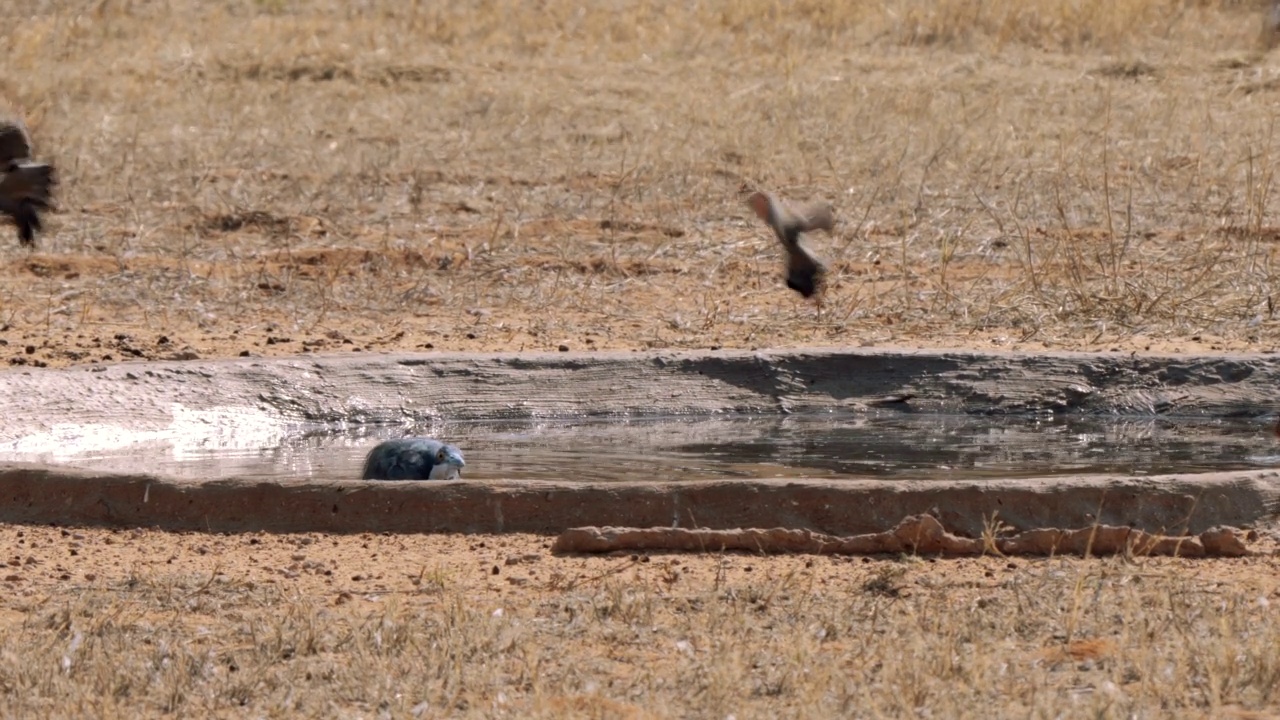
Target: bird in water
[
  {"x": 26, "y": 187},
  {"x": 804, "y": 270},
  {"x": 413, "y": 459}
]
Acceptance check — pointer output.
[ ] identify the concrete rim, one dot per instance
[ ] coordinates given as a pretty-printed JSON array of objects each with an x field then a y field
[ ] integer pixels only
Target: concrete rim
[
  {"x": 147, "y": 397},
  {"x": 1170, "y": 504}
]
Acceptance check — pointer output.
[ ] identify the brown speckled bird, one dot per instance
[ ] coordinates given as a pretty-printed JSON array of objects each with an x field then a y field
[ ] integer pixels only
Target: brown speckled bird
[
  {"x": 26, "y": 187},
  {"x": 804, "y": 270}
]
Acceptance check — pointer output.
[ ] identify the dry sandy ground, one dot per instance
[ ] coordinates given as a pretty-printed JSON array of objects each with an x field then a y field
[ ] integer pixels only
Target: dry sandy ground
[
  {"x": 268, "y": 177},
  {"x": 273, "y": 178},
  {"x": 143, "y": 623}
]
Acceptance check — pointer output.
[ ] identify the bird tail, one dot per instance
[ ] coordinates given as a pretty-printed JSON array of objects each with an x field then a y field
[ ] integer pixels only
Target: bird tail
[{"x": 27, "y": 189}]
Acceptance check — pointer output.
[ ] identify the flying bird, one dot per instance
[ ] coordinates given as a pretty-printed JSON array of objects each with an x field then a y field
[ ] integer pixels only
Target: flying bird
[
  {"x": 413, "y": 459},
  {"x": 804, "y": 270},
  {"x": 26, "y": 187}
]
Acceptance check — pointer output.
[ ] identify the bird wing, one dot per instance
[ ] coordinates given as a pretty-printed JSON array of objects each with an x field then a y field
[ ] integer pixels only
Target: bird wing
[
  {"x": 787, "y": 220},
  {"x": 26, "y": 182},
  {"x": 767, "y": 209},
  {"x": 15, "y": 144},
  {"x": 814, "y": 216}
]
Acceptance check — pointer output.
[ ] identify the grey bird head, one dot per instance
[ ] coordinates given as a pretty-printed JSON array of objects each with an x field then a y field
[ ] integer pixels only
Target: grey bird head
[
  {"x": 26, "y": 187},
  {"x": 413, "y": 459},
  {"x": 449, "y": 463},
  {"x": 804, "y": 270}
]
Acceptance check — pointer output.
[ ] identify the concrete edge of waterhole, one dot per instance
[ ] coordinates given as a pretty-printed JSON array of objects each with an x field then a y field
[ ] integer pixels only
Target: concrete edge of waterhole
[{"x": 152, "y": 398}]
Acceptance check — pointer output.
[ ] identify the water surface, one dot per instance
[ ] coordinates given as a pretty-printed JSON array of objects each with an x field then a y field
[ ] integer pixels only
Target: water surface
[{"x": 889, "y": 445}]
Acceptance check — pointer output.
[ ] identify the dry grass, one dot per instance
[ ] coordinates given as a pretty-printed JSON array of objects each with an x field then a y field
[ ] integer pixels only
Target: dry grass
[
  {"x": 507, "y": 175},
  {"x": 145, "y": 624}
]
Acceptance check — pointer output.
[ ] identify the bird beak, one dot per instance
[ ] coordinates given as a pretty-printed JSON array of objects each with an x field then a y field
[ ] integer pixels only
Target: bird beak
[{"x": 456, "y": 459}]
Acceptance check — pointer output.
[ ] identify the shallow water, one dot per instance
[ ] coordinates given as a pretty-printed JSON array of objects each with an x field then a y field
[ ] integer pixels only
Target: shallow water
[{"x": 889, "y": 445}]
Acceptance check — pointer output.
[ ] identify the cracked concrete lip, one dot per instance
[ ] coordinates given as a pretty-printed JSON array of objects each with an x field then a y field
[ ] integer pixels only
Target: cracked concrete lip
[{"x": 115, "y": 405}]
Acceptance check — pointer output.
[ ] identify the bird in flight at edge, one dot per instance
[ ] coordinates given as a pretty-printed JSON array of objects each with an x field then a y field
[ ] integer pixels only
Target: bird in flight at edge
[
  {"x": 804, "y": 270},
  {"x": 26, "y": 187}
]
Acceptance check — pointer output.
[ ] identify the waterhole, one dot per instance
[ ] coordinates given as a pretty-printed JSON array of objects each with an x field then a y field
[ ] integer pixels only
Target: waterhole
[{"x": 888, "y": 446}]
